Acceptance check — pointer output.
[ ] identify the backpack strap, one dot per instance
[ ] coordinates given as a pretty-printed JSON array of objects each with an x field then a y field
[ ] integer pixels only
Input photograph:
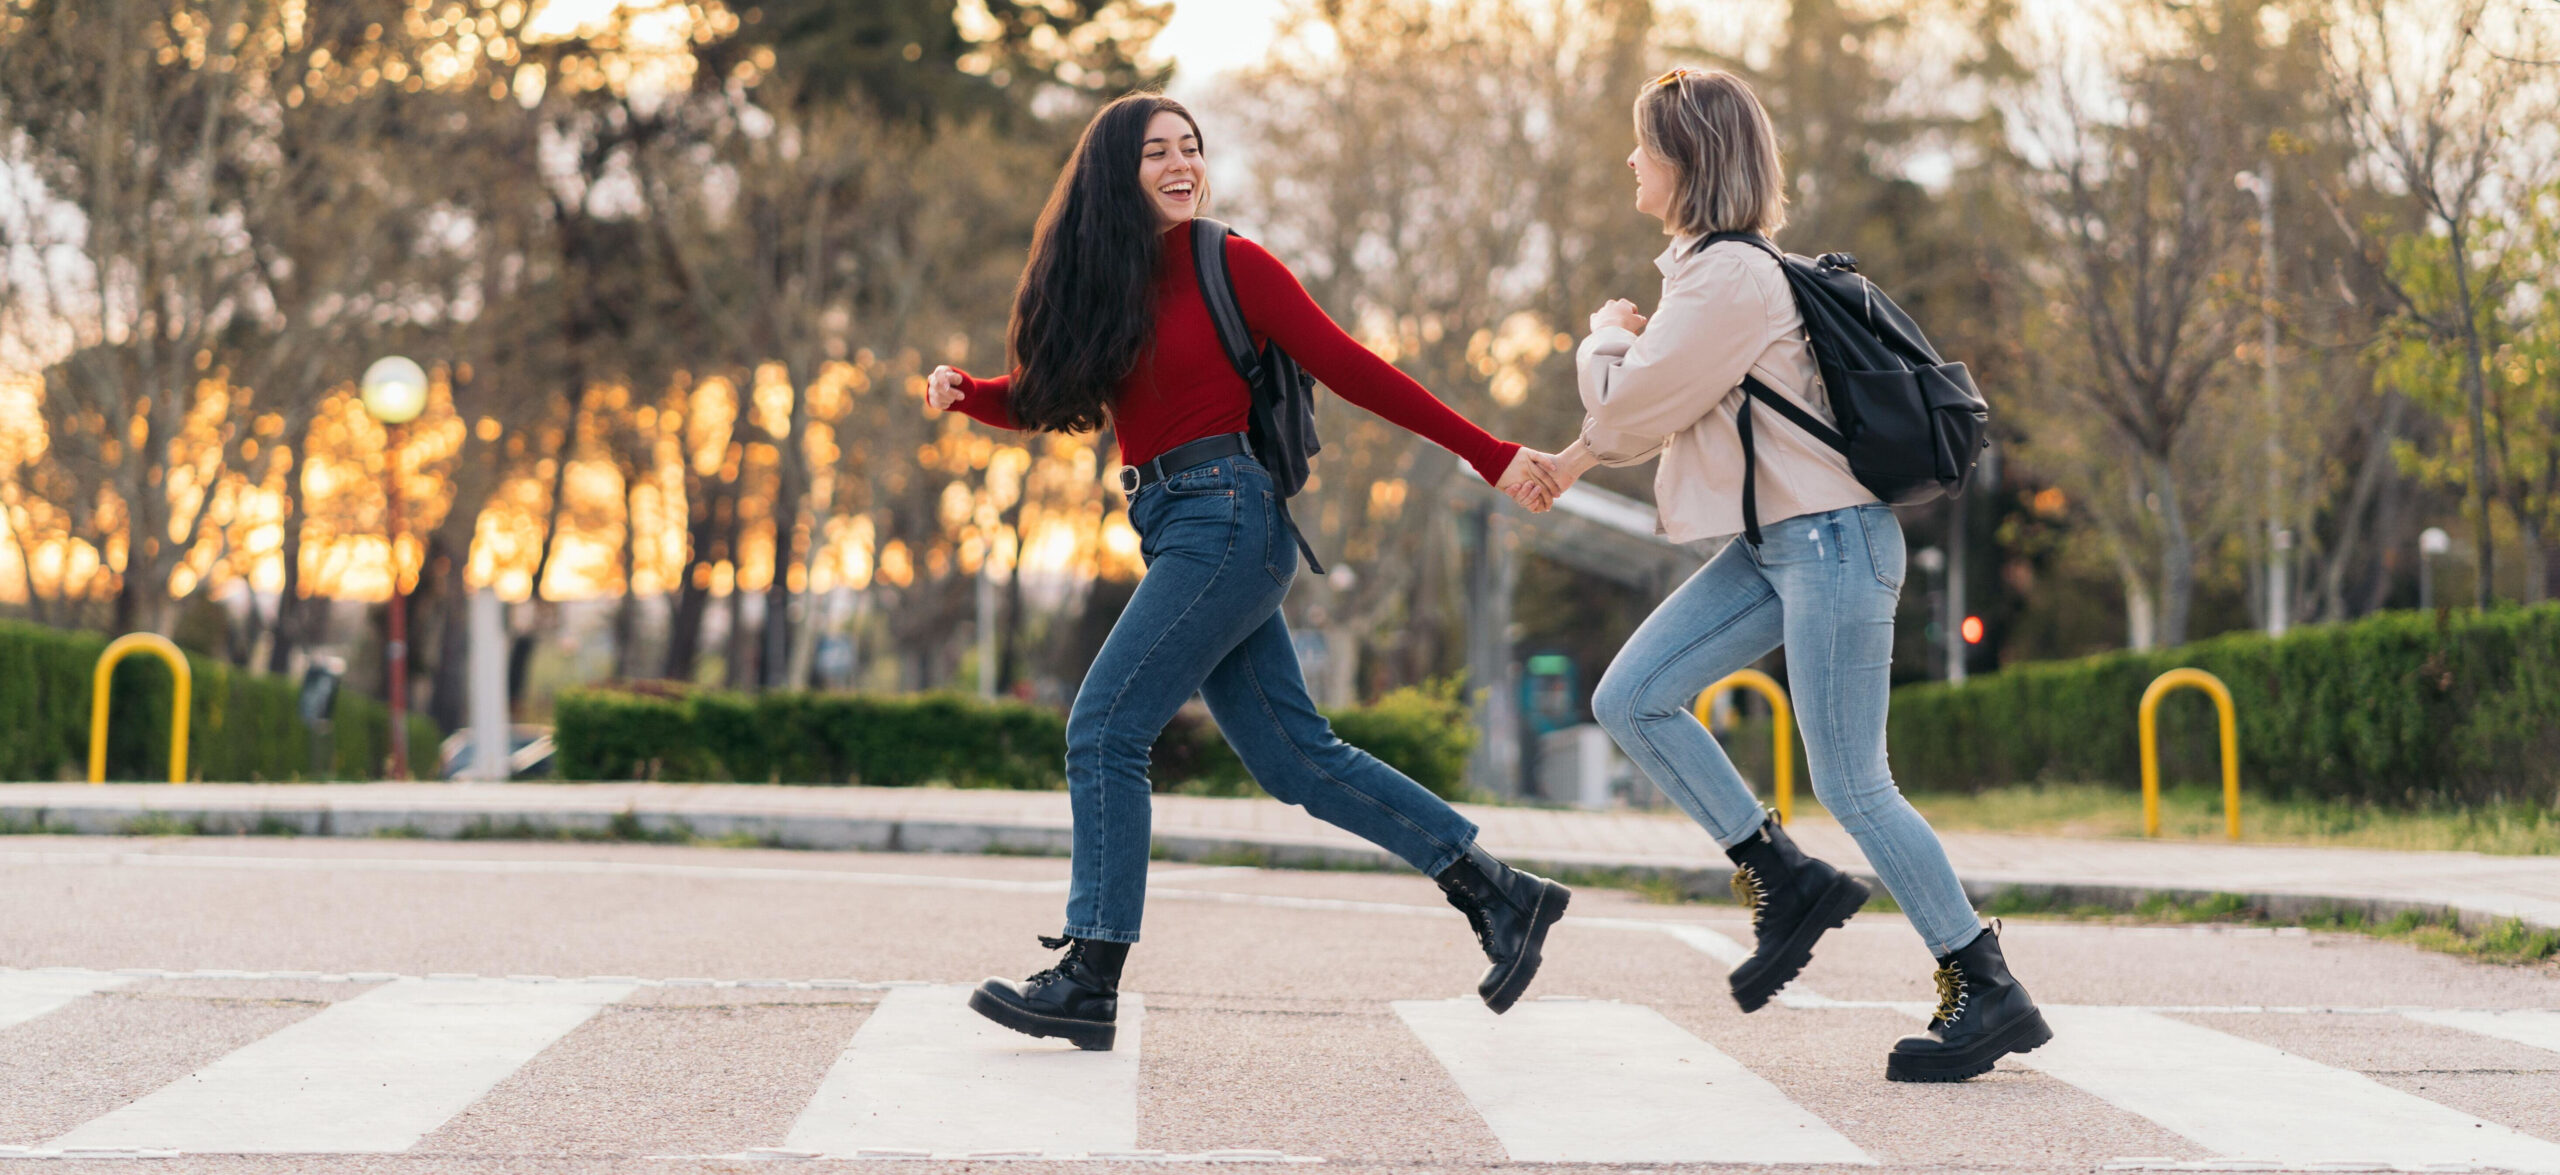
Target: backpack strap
[
  {"x": 1753, "y": 389},
  {"x": 1750, "y": 476},
  {"x": 1795, "y": 414},
  {"x": 1218, "y": 290},
  {"x": 1765, "y": 244}
]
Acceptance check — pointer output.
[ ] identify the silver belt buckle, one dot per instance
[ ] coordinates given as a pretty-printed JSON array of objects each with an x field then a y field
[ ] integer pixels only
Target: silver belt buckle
[{"x": 1128, "y": 479}]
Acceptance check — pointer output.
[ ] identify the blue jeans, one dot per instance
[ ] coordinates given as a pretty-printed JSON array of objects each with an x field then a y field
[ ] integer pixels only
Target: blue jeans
[
  {"x": 1206, "y": 620},
  {"x": 1823, "y": 585}
]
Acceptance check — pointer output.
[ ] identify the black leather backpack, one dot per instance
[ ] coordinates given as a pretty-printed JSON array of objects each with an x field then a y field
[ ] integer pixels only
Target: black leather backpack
[
  {"x": 1911, "y": 424},
  {"x": 1283, "y": 428}
]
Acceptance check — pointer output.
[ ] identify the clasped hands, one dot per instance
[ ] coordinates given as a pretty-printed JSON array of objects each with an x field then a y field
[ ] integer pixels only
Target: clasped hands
[{"x": 1536, "y": 479}]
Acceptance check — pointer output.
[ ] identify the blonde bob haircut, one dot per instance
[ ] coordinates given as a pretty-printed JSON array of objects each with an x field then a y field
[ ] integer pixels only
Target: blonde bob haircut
[{"x": 1709, "y": 126}]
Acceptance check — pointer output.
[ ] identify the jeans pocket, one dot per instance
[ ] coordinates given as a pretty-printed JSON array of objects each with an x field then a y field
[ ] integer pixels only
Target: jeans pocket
[
  {"x": 1883, "y": 533},
  {"x": 1801, "y": 539},
  {"x": 1202, "y": 522},
  {"x": 1203, "y": 481}
]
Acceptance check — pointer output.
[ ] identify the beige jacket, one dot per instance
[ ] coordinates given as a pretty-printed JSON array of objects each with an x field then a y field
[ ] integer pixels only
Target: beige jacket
[{"x": 1675, "y": 389}]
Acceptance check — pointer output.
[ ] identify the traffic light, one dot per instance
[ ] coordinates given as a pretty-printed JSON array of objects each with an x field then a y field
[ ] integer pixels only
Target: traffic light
[{"x": 1972, "y": 630}]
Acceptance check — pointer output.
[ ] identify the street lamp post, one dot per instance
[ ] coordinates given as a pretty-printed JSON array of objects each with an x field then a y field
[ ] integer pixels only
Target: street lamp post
[
  {"x": 395, "y": 392},
  {"x": 2432, "y": 541},
  {"x": 1931, "y": 561},
  {"x": 2279, "y": 536}
]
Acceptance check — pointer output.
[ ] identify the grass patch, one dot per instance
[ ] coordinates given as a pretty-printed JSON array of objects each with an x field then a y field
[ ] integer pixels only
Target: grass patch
[
  {"x": 160, "y": 824},
  {"x": 36, "y": 825},
  {"x": 625, "y": 827},
  {"x": 1005, "y": 850},
  {"x": 2511, "y": 941},
  {"x": 2195, "y": 813}
]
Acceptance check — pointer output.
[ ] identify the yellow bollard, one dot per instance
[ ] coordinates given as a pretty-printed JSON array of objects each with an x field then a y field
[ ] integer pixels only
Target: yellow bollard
[
  {"x": 1784, "y": 759},
  {"x": 2149, "y": 722},
  {"x": 150, "y": 642}
]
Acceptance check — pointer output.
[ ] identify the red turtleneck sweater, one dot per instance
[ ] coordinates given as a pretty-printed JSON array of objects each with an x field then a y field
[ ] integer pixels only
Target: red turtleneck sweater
[{"x": 1184, "y": 389}]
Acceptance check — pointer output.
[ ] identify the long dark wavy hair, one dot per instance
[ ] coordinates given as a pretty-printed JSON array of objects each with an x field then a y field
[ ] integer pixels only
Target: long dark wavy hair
[{"x": 1085, "y": 311}]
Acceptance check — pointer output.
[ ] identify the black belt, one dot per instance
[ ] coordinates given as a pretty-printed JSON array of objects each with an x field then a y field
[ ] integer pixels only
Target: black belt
[
  {"x": 1181, "y": 457},
  {"x": 1184, "y": 456}
]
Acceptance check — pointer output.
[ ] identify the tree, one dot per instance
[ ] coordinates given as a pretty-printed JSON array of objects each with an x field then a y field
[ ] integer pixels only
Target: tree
[
  {"x": 2435, "y": 105},
  {"x": 124, "y": 111},
  {"x": 1447, "y": 182},
  {"x": 2150, "y": 232},
  {"x": 2519, "y": 334}
]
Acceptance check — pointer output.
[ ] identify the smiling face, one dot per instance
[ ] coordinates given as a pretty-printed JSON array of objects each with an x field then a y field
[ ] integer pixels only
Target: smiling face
[
  {"x": 1655, "y": 180},
  {"x": 1171, "y": 168}
]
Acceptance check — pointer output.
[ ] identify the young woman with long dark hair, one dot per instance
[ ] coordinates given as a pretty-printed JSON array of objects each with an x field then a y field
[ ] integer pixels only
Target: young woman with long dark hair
[
  {"x": 1109, "y": 326},
  {"x": 1822, "y": 580}
]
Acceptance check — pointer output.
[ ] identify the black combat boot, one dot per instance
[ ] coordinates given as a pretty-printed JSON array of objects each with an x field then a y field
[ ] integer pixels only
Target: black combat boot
[
  {"x": 1077, "y": 1000},
  {"x": 1511, "y": 912},
  {"x": 1794, "y": 899},
  {"x": 1983, "y": 1015}
]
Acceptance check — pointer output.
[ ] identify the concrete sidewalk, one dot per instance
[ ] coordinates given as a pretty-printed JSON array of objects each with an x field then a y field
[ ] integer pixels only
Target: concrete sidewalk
[{"x": 2284, "y": 880}]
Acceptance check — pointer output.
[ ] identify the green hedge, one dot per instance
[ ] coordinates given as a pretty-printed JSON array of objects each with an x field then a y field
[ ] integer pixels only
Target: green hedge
[
  {"x": 1425, "y": 731},
  {"x": 2400, "y": 708},
  {"x": 241, "y": 726},
  {"x": 841, "y": 738},
  {"x": 809, "y": 737}
]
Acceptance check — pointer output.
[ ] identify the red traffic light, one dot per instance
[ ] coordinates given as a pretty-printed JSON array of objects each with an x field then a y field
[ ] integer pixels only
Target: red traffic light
[{"x": 1972, "y": 630}]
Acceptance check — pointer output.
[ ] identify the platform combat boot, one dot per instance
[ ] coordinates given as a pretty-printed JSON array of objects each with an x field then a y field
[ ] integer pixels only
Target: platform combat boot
[
  {"x": 1077, "y": 1000},
  {"x": 1511, "y": 911},
  {"x": 1983, "y": 1014},
  {"x": 1794, "y": 899}
]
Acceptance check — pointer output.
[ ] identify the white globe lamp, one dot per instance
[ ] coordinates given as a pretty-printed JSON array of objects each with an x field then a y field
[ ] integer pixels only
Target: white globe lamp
[
  {"x": 395, "y": 392},
  {"x": 395, "y": 389}
]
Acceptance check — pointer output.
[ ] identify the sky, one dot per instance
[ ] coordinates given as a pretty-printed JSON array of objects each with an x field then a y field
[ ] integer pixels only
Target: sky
[{"x": 1210, "y": 37}]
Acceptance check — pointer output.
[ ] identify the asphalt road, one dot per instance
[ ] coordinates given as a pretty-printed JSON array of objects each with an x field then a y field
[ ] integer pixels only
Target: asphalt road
[{"x": 281, "y": 1005}]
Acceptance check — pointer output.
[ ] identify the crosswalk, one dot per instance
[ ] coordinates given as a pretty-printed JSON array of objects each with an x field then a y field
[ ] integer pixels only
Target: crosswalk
[
  {"x": 2240, "y": 1097},
  {"x": 925, "y": 1075},
  {"x": 368, "y": 1075},
  {"x": 1558, "y": 1080},
  {"x": 1574, "y": 1081}
]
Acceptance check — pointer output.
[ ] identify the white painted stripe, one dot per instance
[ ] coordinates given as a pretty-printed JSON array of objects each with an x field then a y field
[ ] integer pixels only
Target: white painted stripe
[
  {"x": 372, "y": 1074},
  {"x": 1731, "y": 953},
  {"x": 1719, "y": 947},
  {"x": 926, "y": 1074},
  {"x": 2536, "y": 1028},
  {"x": 25, "y": 995},
  {"x": 2246, "y": 1100},
  {"x": 1575, "y": 1081}
]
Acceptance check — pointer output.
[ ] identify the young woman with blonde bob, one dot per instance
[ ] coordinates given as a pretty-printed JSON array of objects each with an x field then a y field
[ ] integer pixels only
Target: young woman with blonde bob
[
  {"x": 1109, "y": 326},
  {"x": 1822, "y": 582}
]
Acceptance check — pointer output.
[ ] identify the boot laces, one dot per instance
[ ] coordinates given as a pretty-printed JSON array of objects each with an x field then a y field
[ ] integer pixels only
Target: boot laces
[
  {"x": 1471, "y": 904},
  {"x": 1058, "y": 970},
  {"x": 1748, "y": 890},
  {"x": 1953, "y": 993}
]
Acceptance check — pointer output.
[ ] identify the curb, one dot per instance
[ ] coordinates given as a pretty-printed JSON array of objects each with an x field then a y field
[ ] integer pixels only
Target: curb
[{"x": 988, "y": 838}]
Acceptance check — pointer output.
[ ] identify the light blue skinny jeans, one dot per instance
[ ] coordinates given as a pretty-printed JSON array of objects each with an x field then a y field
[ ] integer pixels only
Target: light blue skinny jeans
[{"x": 1825, "y": 586}]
